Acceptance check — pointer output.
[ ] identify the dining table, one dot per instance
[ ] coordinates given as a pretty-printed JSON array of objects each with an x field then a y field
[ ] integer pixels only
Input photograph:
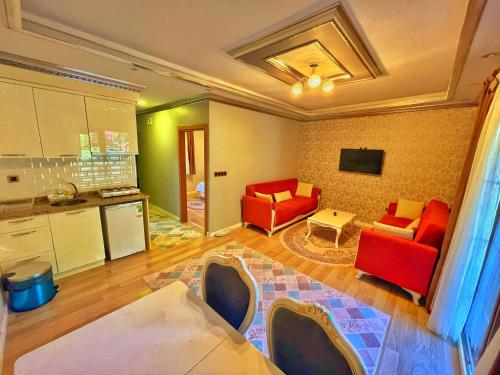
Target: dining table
[{"x": 170, "y": 331}]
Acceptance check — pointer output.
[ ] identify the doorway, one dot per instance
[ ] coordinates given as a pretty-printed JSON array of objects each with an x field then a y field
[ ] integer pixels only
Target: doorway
[{"x": 193, "y": 168}]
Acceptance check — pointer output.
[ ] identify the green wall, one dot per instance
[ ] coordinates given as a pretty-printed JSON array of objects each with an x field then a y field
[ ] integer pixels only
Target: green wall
[{"x": 158, "y": 167}]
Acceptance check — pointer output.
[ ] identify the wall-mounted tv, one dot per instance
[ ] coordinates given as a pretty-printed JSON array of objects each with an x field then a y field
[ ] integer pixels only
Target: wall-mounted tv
[{"x": 361, "y": 160}]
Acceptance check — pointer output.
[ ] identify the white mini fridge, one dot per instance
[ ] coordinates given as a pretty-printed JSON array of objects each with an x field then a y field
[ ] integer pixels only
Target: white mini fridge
[{"x": 123, "y": 228}]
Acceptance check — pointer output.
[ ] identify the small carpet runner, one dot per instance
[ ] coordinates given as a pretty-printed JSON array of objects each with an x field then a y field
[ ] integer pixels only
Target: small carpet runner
[
  {"x": 364, "y": 326},
  {"x": 166, "y": 232}
]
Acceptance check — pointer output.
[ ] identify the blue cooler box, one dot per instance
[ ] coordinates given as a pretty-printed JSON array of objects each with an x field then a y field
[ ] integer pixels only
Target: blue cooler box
[{"x": 29, "y": 285}]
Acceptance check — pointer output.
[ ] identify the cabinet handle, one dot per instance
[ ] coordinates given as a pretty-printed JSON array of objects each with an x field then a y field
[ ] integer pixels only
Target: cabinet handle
[
  {"x": 28, "y": 260},
  {"x": 22, "y": 234},
  {"x": 13, "y": 154},
  {"x": 69, "y": 155},
  {"x": 20, "y": 221},
  {"x": 75, "y": 212}
]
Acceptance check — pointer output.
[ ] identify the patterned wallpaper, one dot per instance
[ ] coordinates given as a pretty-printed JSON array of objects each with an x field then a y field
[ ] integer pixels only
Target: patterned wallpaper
[{"x": 424, "y": 155}]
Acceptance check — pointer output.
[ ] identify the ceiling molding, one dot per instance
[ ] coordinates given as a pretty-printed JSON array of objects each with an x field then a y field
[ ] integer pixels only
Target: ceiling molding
[
  {"x": 472, "y": 17},
  {"x": 174, "y": 104},
  {"x": 67, "y": 72},
  {"x": 349, "y": 114},
  {"x": 398, "y": 109}
]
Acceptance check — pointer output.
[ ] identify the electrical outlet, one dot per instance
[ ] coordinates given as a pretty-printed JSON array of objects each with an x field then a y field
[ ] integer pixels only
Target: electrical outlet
[
  {"x": 220, "y": 174},
  {"x": 12, "y": 179}
]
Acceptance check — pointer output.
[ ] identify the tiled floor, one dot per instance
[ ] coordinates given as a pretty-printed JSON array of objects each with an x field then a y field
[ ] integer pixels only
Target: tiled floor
[
  {"x": 364, "y": 326},
  {"x": 167, "y": 232}
]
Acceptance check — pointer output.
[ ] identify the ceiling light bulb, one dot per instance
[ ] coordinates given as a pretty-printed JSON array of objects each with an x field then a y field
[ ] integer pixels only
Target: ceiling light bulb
[
  {"x": 314, "y": 80},
  {"x": 297, "y": 88},
  {"x": 141, "y": 102},
  {"x": 328, "y": 86}
]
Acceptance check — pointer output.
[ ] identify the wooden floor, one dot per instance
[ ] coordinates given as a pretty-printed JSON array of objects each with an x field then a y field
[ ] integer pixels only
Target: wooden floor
[{"x": 91, "y": 294}]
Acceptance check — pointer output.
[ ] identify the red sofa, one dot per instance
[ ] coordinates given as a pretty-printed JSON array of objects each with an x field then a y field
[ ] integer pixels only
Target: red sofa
[
  {"x": 274, "y": 216},
  {"x": 407, "y": 263}
]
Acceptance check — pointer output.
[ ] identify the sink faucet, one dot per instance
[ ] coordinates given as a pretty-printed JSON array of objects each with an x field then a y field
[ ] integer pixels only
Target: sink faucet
[{"x": 74, "y": 188}]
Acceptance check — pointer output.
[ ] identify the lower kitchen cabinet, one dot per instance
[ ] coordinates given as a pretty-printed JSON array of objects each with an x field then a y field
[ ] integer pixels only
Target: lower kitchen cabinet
[{"x": 77, "y": 237}]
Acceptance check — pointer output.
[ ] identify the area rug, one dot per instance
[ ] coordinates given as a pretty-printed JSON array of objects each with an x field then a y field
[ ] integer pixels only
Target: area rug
[
  {"x": 364, "y": 326},
  {"x": 320, "y": 246},
  {"x": 167, "y": 232},
  {"x": 196, "y": 204}
]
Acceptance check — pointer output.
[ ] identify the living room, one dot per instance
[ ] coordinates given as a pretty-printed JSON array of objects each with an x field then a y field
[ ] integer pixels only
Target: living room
[{"x": 313, "y": 177}]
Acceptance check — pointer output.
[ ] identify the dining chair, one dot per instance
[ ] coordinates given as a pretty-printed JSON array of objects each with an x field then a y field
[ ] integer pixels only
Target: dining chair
[
  {"x": 303, "y": 338},
  {"x": 228, "y": 287}
]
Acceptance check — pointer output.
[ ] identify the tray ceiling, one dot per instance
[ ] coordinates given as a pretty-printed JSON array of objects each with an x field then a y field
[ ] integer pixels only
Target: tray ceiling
[{"x": 328, "y": 39}]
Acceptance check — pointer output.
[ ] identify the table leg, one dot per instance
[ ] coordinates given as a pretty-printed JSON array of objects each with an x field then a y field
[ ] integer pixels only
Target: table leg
[
  {"x": 339, "y": 231},
  {"x": 308, "y": 229}
]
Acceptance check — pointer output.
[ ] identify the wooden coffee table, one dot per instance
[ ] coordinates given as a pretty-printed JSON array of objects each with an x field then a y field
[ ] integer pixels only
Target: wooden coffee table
[{"x": 326, "y": 218}]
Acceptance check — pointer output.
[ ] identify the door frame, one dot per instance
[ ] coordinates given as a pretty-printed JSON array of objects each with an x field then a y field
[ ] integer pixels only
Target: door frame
[{"x": 181, "y": 142}]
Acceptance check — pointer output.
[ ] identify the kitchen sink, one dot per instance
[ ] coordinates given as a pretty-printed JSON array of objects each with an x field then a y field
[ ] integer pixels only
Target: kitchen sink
[{"x": 69, "y": 202}]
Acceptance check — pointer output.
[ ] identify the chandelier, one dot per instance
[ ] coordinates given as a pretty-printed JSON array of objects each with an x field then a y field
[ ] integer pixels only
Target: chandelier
[{"x": 312, "y": 82}]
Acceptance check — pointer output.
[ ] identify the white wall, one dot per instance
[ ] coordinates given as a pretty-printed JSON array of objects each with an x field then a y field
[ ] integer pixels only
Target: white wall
[{"x": 252, "y": 147}]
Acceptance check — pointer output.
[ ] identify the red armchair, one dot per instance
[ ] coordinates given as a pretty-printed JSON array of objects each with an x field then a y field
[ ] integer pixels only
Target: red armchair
[
  {"x": 272, "y": 216},
  {"x": 407, "y": 263}
]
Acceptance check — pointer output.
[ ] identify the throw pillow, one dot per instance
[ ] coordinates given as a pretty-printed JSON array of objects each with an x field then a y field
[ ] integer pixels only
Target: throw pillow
[
  {"x": 282, "y": 196},
  {"x": 267, "y": 197},
  {"x": 409, "y": 209},
  {"x": 393, "y": 231},
  {"x": 304, "y": 190},
  {"x": 413, "y": 225}
]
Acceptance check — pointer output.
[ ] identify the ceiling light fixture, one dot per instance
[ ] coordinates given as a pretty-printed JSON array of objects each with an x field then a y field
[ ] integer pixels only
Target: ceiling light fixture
[
  {"x": 141, "y": 102},
  {"x": 313, "y": 81}
]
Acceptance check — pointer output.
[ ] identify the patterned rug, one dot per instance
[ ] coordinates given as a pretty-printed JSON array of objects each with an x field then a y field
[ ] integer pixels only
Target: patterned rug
[
  {"x": 166, "y": 232},
  {"x": 320, "y": 246},
  {"x": 196, "y": 204},
  {"x": 364, "y": 326}
]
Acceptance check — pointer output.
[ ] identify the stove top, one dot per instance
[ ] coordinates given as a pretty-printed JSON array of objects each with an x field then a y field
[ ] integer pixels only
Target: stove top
[{"x": 117, "y": 191}]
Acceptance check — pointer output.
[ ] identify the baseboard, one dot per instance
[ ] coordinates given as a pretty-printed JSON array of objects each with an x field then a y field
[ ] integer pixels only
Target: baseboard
[
  {"x": 224, "y": 231},
  {"x": 3, "y": 332},
  {"x": 79, "y": 269},
  {"x": 165, "y": 212}
]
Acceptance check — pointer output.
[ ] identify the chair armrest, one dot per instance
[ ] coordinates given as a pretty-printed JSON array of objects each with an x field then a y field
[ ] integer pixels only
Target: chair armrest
[
  {"x": 403, "y": 262},
  {"x": 257, "y": 211},
  {"x": 315, "y": 192}
]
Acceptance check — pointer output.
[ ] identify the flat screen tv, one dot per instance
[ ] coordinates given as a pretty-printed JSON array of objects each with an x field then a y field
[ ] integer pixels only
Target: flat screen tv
[{"x": 361, "y": 160}]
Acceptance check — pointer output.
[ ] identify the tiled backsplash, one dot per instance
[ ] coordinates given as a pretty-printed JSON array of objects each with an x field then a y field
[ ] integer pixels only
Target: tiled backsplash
[{"x": 37, "y": 177}]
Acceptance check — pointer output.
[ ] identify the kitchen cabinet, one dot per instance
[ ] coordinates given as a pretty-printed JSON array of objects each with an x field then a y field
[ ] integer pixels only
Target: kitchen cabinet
[
  {"x": 26, "y": 239},
  {"x": 77, "y": 237},
  {"x": 62, "y": 123},
  {"x": 112, "y": 126},
  {"x": 18, "y": 123}
]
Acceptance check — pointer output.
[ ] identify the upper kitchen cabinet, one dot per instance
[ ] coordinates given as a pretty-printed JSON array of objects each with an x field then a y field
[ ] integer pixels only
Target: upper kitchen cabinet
[
  {"x": 112, "y": 126},
  {"x": 18, "y": 123},
  {"x": 63, "y": 124}
]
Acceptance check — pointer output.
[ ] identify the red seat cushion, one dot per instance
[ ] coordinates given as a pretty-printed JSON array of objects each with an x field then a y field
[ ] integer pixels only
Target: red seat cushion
[
  {"x": 286, "y": 211},
  {"x": 305, "y": 204},
  {"x": 400, "y": 222}
]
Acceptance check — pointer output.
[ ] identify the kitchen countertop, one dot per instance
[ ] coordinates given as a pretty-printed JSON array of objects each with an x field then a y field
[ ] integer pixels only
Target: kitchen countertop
[{"x": 43, "y": 207}]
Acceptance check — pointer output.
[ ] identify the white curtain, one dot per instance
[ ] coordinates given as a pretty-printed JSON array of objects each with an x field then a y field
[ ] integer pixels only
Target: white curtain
[{"x": 473, "y": 230}]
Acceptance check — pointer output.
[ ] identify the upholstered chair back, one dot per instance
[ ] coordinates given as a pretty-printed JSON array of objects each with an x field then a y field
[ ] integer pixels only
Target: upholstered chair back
[
  {"x": 303, "y": 338},
  {"x": 229, "y": 288}
]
